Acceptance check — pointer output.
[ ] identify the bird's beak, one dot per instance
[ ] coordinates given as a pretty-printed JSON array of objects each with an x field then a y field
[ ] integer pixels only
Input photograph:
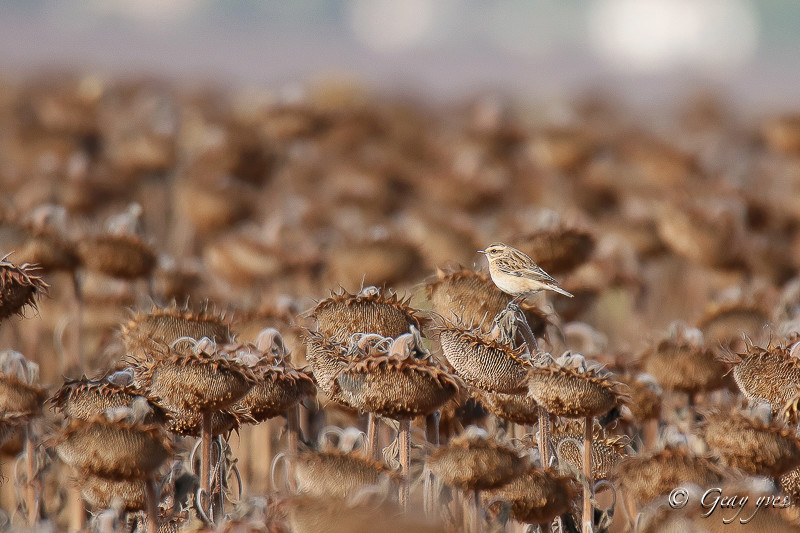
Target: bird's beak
[{"x": 481, "y": 251}]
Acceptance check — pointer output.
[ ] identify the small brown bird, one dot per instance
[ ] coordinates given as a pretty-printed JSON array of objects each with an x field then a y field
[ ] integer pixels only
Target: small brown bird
[{"x": 517, "y": 274}]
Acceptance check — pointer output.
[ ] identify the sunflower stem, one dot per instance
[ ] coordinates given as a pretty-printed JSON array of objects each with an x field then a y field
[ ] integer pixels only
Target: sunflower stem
[
  {"x": 205, "y": 458},
  {"x": 152, "y": 506},
  {"x": 77, "y": 338},
  {"x": 373, "y": 448},
  {"x": 544, "y": 436},
  {"x": 587, "y": 473},
  {"x": 405, "y": 448},
  {"x": 32, "y": 488}
]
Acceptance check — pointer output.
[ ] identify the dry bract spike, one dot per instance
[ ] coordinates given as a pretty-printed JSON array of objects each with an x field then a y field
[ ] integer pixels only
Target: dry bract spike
[
  {"x": 19, "y": 288},
  {"x": 376, "y": 311},
  {"x": 119, "y": 256},
  {"x": 483, "y": 362},
  {"x": 536, "y": 496},
  {"x": 471, "y": 462},
  {"x": 751, "y": 445}
]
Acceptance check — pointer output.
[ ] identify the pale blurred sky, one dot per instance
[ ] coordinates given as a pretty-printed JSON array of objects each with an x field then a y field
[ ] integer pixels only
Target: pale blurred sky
[{"x": 443, "y": 48}]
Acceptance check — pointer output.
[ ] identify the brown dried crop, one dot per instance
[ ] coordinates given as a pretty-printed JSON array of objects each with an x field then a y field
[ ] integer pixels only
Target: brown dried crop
[
  {"x": 782, "y": 133},
  {"x": 180, "y": 380},
  {"x": 750, "y": 445},
  {"x": 86, "y": 398},
  {"x": 278, "y": 386},
  {"x": 474, "y": 299},
  {"x": 483, "y": 362},
  {"x": 683, "y": 366},
  {"x": 728, "y": 324},
  {"x": 790, "y": 484},
  {"x": 471, "y": 462},
  {"x": 334, "y": 474},
  {"x": 371, "y": 311},
  {"x": 518, "y": 408},
  {"x": 20, "y": 399},
  {"x": 645, "y": 402},
  {"x": 655, "y": 474},
  {"x": 395, "y": 387},
  {"x": 607, "y": 451},
  {"x": 114, "y": 450},
  {"x": 147, "y": 332},
  {"x": 49, "y": 252},
  {"x": 559, "y": 249},
  {"x": 327, "y": 357},
  {"x": 704, "y": 232},
  {"x": 101, "y": 493},
  {"x": 566, "y": 392},
  {"x": 307, "y": 514},
  {"x": 19, "y": 288},
  {"x": 190, "y": 423},
  {"x": 389, "y": 261},
  {"x": 536, "y": 496},
  {"x": 768, "y": 374},
  {"x": 119, "y": 256}
]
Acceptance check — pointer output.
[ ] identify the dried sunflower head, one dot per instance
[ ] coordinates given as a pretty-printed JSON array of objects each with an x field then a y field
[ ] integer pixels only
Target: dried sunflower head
[
  {"x": 193, "y": 377},
  {"x": 19, "y": 288},
  {"x": 574, "y": 392},
  {"x": 473, "y": 461},
  {"x": 117, "y": 255},
  {"x": 536, "y": 496},
  {"x": 474, "y": 299},
  {"x": 607, "y": 450},
  {"x": 338, "y": 475},
  {"x": 483, "y": 362},
  {"x": 278, "y": 385},
  {"x": 768, "y": 374},
  {"x": 370, "y": 311},
  {"x": 751, "y": 445},
  {"x": 114, "y": 449},
  {"x": 394, "y": 386},
  {"x": 654, "y": 474},
  {"x": 146, "y": 332}
]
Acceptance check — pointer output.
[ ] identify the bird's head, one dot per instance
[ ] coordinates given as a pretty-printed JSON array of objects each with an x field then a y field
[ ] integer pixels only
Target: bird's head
[{"x": 493, "y": 251}]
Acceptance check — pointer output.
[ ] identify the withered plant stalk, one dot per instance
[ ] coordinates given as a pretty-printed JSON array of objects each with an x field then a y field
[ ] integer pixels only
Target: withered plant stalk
[
  {"x": 205, "y": 458},
  {"x": 32, "y": 488},
  {"x": 373, "y": 447},
  {"x": 587, "y": 473},
  {"x": 405, "y": 445}
]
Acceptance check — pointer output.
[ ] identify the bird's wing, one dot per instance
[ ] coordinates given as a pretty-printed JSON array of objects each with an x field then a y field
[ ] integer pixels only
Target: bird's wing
[{"x": 529, "y": 271}]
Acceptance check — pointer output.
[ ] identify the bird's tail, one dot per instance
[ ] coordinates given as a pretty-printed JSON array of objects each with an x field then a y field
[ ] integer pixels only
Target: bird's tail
[{"x": 559, "y": 290}]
